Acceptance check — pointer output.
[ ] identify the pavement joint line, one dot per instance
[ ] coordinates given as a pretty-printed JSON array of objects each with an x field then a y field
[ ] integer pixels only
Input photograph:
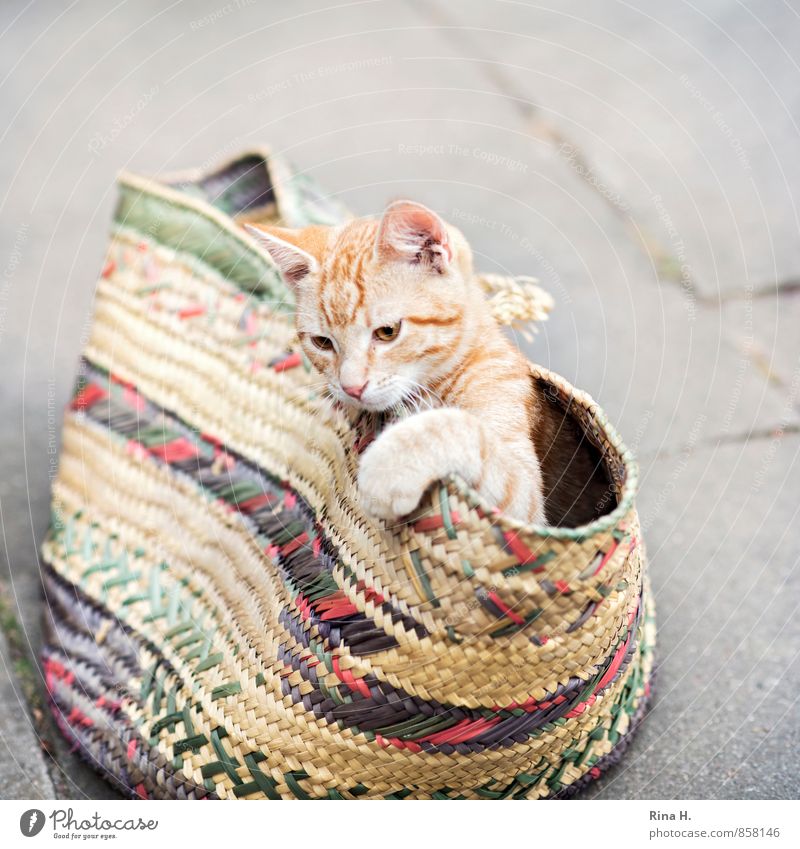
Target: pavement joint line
[
  {"x": 540, "y": 127},
  {"x": 752, "y": 436},
  {"x": 788, "y": 286}
]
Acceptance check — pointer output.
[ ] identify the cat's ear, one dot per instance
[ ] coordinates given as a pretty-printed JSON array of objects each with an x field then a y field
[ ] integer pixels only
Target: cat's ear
[
  {"x": 410, "y": 232},
  {"x": 294, "y": 263}
]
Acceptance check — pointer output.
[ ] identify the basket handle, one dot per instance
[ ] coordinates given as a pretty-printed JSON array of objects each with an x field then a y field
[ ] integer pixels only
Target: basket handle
[{"x": 517, "y": 302}]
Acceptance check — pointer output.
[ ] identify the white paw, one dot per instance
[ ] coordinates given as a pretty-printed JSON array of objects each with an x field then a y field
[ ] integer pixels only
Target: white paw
[{"x": 389, "y": 485}]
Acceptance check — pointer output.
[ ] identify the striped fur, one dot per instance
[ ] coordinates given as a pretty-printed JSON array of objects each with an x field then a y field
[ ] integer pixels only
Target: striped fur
[{"x": 449, "y": 363}]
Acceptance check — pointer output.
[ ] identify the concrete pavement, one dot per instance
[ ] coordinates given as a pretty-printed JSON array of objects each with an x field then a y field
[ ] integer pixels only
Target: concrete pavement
[{"x": 640, "y": 161}]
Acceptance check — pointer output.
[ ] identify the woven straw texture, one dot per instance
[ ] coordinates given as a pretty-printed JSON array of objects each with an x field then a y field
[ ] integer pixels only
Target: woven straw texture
[{"x": 222, "y": 618}]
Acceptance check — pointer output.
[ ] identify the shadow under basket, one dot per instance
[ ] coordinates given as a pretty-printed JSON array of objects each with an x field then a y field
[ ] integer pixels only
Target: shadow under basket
[{"x": 223, "y": 620}]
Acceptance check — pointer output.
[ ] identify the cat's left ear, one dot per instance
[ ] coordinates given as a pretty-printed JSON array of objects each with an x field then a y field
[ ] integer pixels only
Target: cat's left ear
[
  {"x": 294, "y": 263},
  {"x": 410, "y": 232}
]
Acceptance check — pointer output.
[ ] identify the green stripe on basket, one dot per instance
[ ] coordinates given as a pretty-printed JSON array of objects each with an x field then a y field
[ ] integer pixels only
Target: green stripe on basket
[
  {"x": 226, "y": 762},
  {"x": 265, "y": 783},
  {"x": 225, "y": 690},
  {"x": 191, "y": 233},
  {"x": 423, "y": 578},
  {"x": 293, "y": 779},
  {"x": 447, "y": 519},
  {"x": 519, "y": 568}
]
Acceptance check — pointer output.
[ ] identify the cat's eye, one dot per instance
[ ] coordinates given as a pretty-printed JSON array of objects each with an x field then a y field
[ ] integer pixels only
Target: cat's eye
[
  {"x": 322, "y": 342},
  {"x": 388, "y": 333}
]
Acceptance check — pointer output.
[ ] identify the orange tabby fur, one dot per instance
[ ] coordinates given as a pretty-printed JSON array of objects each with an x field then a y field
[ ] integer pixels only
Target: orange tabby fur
[{"x": 411, "y": 274}]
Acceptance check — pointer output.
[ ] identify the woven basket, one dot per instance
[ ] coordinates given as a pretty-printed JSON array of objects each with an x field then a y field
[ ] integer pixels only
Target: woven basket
[{"x": 222, "y": 618}]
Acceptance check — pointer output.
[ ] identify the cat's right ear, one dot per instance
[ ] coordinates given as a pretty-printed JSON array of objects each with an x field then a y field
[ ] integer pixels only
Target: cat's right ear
[
  {"x": 410, "y": 232},
  {"x": 294, "y": 263}
]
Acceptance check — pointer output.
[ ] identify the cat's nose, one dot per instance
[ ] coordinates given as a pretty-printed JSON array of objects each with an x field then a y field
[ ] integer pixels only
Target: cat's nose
[{"x": 356, "y": 391}]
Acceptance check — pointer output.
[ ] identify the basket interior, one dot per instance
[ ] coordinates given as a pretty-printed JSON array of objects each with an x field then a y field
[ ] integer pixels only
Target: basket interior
[
  {"x": 243, "y": 187},
  {"x": 582, "y": 479}
]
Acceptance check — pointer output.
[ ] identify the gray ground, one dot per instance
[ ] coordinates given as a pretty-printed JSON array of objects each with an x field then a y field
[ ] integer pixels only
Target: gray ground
[{"x": 641, "y": 161}]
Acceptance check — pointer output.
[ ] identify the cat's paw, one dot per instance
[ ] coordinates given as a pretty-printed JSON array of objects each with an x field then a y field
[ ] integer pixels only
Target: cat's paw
[{"x": 390, "y": 483}]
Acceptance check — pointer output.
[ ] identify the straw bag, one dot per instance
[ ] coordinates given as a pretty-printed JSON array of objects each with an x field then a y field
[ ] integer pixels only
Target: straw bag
[{"x": 222, "y": 619}]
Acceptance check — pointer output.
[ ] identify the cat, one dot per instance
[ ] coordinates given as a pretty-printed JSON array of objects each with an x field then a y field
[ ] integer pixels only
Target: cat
[{"x": 391, "y": 314}]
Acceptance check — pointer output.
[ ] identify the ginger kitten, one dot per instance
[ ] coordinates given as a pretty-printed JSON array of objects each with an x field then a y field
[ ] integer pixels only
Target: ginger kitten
[{"x": 390, "y": 313}]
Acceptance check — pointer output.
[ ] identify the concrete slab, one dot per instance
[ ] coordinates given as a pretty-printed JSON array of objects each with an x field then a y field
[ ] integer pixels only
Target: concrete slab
[
  {"x": 23, "y": 771},
  {"x": 379, "y": 100},
  {"x": 764, "y": 329},
  {"x": 685, "y": 112},
  {"x": 720, "y": 525}
]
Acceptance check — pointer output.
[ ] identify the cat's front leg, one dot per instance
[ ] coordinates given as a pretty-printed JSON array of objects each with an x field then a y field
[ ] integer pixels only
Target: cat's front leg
[{"x": 411, "y": 454}]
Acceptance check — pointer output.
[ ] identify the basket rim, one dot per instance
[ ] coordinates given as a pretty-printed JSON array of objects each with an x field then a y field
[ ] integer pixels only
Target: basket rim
[
  {"x": 157, "y": 185},
  {"x": 608, "y": 520}
]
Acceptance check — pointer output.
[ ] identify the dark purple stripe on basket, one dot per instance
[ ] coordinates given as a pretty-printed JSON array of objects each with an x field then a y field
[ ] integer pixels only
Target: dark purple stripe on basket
[
  {"x": 87, "y": 684},
  {"x": 286, "y": 527},
  {"x": 279, "y": 521}
]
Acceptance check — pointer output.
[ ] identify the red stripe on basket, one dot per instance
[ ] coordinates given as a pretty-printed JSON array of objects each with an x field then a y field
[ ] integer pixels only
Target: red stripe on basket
[
  {"x": 615, "y": 664},
  {"x": 607, "y": 557},
  {"x": 335, "y": 606},
  {"x": 579, "y": 709},
  {"x": 54, "y": 669},
  {"x": 301, "y": 603},
  {"x": 77, "y": 717},
  {"x": 256, "y": 502},
  {"x": 465, "y": 730},
  {"x": 296, "y": 543},
  {"x": 352, "y": 682},
  {"x": 88, "y": 397},
  {"x": 520, "y": 550},
  {"x": 176, "y": 451},
  {"x": 398, "y": 744},
  {"x": 292, "y": 361},
  {"x": 192, "y": 311},
  {"x": 131, "y": 749},
  {"x": 435, "y": 523},
  {"x": 338, "y": 612},
  {"x": 370, "y": 593},
  {"x": 506, "y": 610}
]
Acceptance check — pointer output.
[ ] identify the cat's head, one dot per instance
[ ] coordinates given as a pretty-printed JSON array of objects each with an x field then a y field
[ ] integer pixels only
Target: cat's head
[{"x": 384, "y": 308}]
